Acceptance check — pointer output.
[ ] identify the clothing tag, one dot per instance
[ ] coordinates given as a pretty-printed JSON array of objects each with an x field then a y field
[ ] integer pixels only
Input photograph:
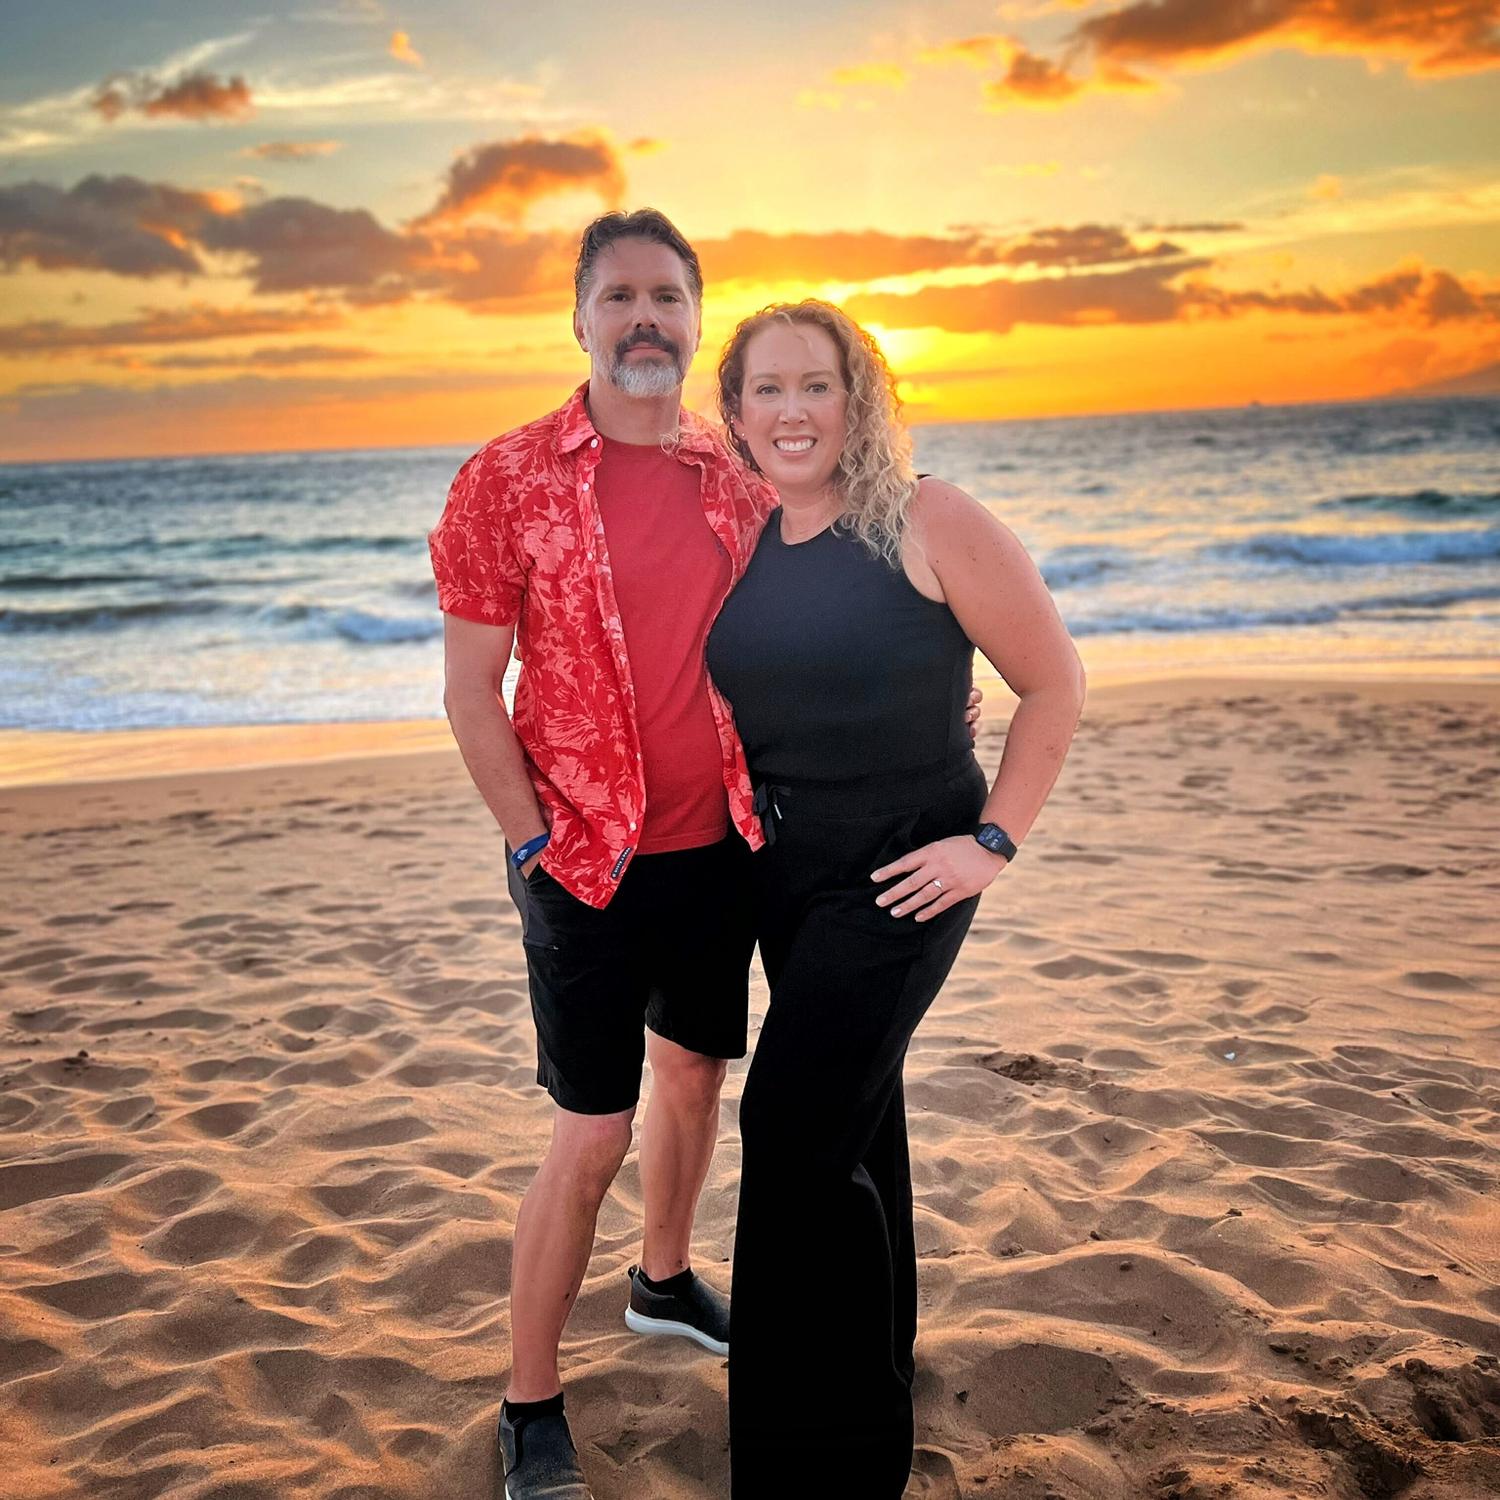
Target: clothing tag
[{"x": 620, "y": 862}]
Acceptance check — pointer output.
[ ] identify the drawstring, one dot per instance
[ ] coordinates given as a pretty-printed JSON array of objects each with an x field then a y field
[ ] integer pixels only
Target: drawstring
[{"x": 767, "y": 807}]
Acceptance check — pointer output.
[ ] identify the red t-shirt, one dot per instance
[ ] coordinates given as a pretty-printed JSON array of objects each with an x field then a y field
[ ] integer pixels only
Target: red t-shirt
[{"x": 670, "y": 574}]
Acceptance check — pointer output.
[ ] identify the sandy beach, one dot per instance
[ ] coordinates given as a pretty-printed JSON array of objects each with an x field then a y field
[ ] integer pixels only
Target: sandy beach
[{"x": 1205, "y": 1127}]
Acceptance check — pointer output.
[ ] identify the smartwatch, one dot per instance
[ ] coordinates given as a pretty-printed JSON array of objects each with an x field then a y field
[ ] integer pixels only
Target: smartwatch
[
  {"x": 529, "y": 850},
  {"x": 994, "y": 838}
]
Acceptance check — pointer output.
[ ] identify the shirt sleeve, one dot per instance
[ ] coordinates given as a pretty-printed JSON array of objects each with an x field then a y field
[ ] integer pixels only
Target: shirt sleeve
[{"x": 479, "y": 577}]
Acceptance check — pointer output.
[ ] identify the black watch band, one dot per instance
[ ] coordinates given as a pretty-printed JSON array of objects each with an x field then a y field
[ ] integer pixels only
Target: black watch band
[{"x": 994, "y": 838}]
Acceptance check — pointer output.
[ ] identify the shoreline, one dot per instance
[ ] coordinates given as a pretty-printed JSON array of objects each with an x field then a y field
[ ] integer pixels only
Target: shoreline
[{"x": 51, "y": 757}]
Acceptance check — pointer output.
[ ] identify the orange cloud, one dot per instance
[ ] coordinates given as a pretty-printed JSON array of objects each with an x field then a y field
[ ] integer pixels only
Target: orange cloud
[
  {"x": 194, "y": 96},
  {"x": 975, "y": 51},
  {"x": 1032, "y": 80},
  {"x": 1432, "y": 37},
  {"x": 1028, "y": 78},
  {"x": 755, "y": 255},
  {"x": 1035, "y": 81},
  {"x": 882, "y": 75},
  {"x": 863, "y": 255},
  {"x": 183, "y": 325},
  {"x": 403, "y": 51},
  {"x": 292, "y": 150},
  {"x": 505, "y": 178}
]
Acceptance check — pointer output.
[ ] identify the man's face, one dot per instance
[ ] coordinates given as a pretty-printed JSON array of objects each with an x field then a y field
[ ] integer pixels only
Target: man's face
[{"x": 638, "y": 320}]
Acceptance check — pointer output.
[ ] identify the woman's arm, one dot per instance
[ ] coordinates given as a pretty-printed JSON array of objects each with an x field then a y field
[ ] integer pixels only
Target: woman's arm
[{"x": 959, "y": 553}]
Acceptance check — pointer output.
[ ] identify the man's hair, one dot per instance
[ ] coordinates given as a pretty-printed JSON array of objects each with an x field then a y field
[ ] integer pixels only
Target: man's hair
[{"x": 639, "y": 224}]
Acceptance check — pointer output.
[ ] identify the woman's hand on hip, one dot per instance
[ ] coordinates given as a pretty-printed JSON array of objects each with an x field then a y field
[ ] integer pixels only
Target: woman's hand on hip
[{"x": 938, "y": 875}]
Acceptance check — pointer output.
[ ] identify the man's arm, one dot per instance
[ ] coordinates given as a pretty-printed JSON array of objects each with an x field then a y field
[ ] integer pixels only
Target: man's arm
[{"x": 474, "y": 660}]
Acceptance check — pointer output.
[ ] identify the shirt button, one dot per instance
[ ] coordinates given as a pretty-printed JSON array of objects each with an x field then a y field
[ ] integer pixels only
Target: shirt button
[
  {"x": 585, "y": 484},
  {"x": 632, "y": 827},
  {"x": 593, "y": 442},
  {"x": 591, "y": 556}
]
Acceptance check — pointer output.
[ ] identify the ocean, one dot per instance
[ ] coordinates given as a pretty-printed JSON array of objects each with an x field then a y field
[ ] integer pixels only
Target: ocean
[{"x": 294, "y": 587}]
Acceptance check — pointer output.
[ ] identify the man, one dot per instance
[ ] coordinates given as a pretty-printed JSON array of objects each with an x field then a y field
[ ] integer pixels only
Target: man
[{"x": 606, "y": 535}]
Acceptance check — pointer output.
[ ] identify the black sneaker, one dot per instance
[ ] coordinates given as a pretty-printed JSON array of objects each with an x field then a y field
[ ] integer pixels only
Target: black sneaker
[
  {"x": 539, "y": 1461},
  {"x": 700, "y": 1313}
]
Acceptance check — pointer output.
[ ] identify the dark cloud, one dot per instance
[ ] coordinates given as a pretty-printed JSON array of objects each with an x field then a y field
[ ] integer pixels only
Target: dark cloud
[
  {"x": 1145, "y": 294},
  {"x": 297, "y": 244},
  {"x": 1083, "y": 245},
  {"x": 274, "y": 357},
  {"x": 194, "y": 96},
  {"x": 185, "y": 325},
  {"x": 505, "y": 178},
  {"x": 1411, "y": 293},
  {"x": 118, "y": 224},
  {"x": 488, "y": 270},
  {"x": 135, "y": 228},
  {"x": 1208, "y": 226},
  {"x": 1137, "y": 295}
]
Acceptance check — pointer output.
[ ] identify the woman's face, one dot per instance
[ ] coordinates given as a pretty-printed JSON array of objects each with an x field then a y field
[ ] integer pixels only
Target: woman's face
[{"x": 792, "y": 406}]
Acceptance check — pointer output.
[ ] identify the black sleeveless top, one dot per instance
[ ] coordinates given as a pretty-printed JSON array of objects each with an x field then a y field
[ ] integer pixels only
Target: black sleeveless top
[{"x": 836, "y": 666}]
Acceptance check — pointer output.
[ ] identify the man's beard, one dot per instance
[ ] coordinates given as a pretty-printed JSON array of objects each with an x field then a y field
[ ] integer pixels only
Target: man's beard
[{"x": 644, "y": 380}]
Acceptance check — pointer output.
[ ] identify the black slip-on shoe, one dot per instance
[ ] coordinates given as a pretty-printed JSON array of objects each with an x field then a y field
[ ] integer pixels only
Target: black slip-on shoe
[
  {"x": 700, "y": 1313},
  {"x": 539, "y": 1460}
]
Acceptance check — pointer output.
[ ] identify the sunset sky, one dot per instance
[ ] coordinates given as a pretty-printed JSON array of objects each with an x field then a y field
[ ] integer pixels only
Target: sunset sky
[{"x": 344, "y": 223}]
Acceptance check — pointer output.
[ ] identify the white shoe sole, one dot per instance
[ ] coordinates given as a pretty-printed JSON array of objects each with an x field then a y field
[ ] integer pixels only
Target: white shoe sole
[{"x": 639, "y": 1323}]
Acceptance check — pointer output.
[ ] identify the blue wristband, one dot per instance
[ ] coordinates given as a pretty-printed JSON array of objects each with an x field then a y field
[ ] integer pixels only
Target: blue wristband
[{"x": 530, "y": 849}]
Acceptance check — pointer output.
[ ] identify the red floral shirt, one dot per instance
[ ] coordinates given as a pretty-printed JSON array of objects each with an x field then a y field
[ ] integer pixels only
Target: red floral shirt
[{"x": 520, "y": 542}]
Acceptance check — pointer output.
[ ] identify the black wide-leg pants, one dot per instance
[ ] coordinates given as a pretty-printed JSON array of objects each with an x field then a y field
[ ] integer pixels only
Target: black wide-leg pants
[{"x": 824, "y": 1304}]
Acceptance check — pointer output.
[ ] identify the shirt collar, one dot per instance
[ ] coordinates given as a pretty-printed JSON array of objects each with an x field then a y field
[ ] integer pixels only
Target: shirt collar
[{"x": 574, "y": 428}]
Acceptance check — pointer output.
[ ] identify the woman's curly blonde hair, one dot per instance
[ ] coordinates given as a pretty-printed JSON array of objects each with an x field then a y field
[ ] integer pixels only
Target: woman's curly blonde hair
[{"x": 874, "y": 477}]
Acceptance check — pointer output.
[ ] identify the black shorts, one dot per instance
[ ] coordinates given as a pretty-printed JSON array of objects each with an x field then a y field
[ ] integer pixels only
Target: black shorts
[{"x": 671, "y": 950}]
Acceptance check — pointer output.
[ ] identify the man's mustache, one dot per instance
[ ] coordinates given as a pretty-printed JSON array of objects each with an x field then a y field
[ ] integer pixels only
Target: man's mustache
[{"x": 645, "y": 340}]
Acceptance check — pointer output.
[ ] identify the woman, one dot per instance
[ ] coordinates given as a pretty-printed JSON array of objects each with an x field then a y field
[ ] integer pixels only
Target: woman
[{"x": 846, "y": 653}]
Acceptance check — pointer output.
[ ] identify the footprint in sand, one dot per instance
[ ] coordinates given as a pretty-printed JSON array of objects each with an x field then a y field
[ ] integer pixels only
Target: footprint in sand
[
  {"x": 1076, "y": 966},
  {"x": 1025, "y": 1067},
  {"x": 1437, "y": 979},
  {"x": 395, "y": 1130},
  {"x": 26, "y": 1182},
  {"x": 219, "y": 1121},
  {"x": 1151, "y": 958}
]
